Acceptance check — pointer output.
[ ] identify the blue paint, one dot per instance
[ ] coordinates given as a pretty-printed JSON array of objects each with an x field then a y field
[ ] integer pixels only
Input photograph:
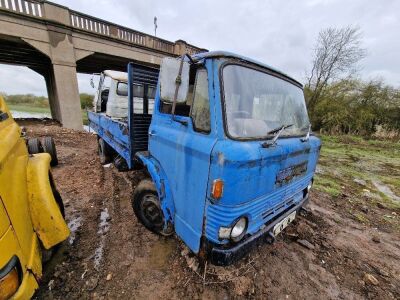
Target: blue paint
[
  {"x": 114, "y": 132},
  {"x": 183, "y": 164}
]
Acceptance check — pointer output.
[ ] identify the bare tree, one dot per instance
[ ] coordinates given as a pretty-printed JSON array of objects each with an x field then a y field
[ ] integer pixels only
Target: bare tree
[{"x": 336, "y": 54}]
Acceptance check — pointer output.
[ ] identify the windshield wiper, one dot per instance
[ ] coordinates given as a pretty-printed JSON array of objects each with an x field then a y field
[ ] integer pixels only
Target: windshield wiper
[
  {"x": 307, "y": 137},
  {"x": 277, "y": 131}
]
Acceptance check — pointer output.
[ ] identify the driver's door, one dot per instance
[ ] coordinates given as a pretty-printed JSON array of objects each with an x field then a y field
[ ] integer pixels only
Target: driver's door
[{"x": 183, "y": 150}]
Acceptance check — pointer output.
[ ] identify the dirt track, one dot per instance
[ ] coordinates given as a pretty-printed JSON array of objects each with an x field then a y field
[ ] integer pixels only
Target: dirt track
[{"x": 111, "y": 256}]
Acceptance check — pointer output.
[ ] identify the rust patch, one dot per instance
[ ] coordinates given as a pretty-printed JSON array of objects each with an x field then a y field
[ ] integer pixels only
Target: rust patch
[{"x": 287, "y": 175}]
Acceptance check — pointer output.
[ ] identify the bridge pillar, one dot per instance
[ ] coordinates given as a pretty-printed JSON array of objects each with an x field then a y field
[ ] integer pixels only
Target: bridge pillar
[
  {"x": 51, "y": 94},
  {"x": 62, "y": 81},
  {"x": 62, "y": 89}
]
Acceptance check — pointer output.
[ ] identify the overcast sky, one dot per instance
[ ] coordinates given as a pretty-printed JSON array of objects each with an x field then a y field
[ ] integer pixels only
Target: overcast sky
[{"x": 279, "y": 33}]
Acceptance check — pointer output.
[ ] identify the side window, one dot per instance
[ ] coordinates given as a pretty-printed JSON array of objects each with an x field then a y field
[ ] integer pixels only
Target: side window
[
  {"x": 138, "y": 98},
  {"x": 151, "y": 94},
  {"x": 200, "y": 111},
  {"x": 143, "y": 98}
]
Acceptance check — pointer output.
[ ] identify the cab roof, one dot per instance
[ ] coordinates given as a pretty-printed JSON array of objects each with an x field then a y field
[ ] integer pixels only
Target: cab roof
[
  {"x": 119, "y": 76},
  {"x": 226, "y": 54}
]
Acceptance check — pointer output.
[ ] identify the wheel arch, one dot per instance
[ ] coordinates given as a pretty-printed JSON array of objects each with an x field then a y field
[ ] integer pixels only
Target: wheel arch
[
  {"x": 161, "y": 183},
  {"x": 46, "y": 216}
]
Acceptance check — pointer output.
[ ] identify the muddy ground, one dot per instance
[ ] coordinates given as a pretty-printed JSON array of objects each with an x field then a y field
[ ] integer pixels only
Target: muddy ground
[{"x": 347, "y": 246}]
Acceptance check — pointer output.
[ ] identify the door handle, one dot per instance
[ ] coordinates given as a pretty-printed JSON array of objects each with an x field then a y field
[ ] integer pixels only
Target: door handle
[{"x": 152, "y": 133}]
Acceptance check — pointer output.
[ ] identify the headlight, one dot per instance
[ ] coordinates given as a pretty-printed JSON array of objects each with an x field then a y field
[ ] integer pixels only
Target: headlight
[
  {"x": 239, "y": 229},
  {"x": 9, "y": 279},
  {"x": 236, "y": 232}
]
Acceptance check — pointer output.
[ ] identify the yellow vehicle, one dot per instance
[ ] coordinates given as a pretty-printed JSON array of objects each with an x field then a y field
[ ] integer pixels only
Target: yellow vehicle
[{"x": 31, "y": 217}]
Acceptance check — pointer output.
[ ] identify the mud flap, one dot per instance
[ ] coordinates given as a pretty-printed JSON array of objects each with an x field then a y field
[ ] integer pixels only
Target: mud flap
[{"x": 46, "y": 216}]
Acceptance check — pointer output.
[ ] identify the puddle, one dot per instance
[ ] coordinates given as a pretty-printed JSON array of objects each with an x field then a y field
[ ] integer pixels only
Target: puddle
[
  {"x": 89, "y": 129},
  {"x": 29, "y": 115},
  {"x": 74, "y": 225},
  {"x": 360, "y": 181},
  {"x": 319, "y": 170},
  {"x": 104, "y": 224},
  {"x": 385, "y": 190},
  {"x": 98, "y": 254},
  {"x": 104, "y": 227},
  {"x": 366, "y": 166}
]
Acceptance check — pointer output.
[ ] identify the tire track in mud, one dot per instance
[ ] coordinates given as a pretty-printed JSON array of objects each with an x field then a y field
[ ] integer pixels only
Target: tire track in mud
[{"x": 85, "y": 188}]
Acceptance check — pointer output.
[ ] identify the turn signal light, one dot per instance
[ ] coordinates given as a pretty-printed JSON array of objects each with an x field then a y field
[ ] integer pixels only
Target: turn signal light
[
  {"x": 217, "y": 188},
  {"x": 9, "y": 284}
]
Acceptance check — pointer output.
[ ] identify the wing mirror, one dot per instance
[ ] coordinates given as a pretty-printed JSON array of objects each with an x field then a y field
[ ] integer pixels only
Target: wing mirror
[
  {"x": 122, "y": 89},
  {"x": 174, "y": 80}
]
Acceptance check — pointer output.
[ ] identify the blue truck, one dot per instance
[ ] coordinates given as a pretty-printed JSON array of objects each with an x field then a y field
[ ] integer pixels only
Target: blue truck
[{"x": 227, "y": 145}]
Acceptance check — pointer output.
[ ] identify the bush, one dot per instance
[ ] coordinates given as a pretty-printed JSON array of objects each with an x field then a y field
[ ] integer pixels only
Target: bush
[
  {"x": 356, "y": 107},
  {"x": 86, "y": 101},
  {"x": 41, "y": 101},
  {"x": 28, "y": 99}
]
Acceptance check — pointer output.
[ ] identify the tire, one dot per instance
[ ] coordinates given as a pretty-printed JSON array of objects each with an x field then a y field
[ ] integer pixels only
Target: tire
[
  {"x": 50, "y": 147},
  {"x": 34, "y": 146},
  {"x": 104, "y": 152},
  {"x": 147, "y": 208}
]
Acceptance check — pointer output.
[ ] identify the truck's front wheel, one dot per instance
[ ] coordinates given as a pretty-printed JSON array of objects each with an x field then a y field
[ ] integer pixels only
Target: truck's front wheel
[{"x": 147, "y": 208}]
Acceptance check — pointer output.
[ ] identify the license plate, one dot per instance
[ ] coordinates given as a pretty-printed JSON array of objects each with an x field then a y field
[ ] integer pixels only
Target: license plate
[{"x": 283, "y": 224}]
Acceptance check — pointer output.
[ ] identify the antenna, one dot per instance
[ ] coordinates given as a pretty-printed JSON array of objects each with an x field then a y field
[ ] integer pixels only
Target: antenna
[{"x": 155, "y": 26}]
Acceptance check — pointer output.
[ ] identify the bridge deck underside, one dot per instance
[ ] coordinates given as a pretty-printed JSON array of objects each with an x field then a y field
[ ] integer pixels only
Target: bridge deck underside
[{"x": 20, "y": 53}]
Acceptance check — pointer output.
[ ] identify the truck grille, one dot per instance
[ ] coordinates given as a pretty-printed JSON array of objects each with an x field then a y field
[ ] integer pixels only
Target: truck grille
[{"x": 259, "y": 211}]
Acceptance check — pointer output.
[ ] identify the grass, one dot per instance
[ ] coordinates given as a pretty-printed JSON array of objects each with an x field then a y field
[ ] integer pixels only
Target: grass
[
  {"x": 327, "y": 184},
  {"x": 361, "y": 218},
  {"x": 345, "y": 160},
  {"x": 350, "y": 170},
  {"x": 28, "y": 108}
]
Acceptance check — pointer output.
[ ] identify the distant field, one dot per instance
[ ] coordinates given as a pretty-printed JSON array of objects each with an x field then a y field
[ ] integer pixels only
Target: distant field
[{"x": 31, "y": 108}]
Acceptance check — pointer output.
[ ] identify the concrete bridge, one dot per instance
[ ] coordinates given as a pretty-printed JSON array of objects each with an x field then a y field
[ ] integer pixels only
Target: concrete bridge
[{"x": 58, "y": 42}]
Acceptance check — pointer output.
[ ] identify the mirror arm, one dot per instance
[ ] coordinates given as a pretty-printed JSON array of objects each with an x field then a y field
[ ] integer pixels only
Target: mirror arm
[{"x": 190, "y": 58}]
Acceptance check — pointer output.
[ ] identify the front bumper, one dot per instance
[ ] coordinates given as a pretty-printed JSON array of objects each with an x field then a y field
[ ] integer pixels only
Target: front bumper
[{"x": 221, "y": 255}]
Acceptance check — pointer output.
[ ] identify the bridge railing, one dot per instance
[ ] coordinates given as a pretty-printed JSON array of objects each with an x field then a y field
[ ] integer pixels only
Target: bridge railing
[
  {"x": 98, "y": 26},
  {"x": 54, "y": 12},
  {"x": 26, "y": 7}
]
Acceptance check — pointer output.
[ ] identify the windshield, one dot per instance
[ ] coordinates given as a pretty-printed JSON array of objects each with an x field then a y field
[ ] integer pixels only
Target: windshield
[{"x": 257, "y": 103}]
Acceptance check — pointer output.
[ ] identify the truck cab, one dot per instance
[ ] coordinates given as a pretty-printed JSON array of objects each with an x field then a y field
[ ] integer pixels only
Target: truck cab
[
  {"x": 111, "y": 97},
  {"x": 229, "y": 152}
]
